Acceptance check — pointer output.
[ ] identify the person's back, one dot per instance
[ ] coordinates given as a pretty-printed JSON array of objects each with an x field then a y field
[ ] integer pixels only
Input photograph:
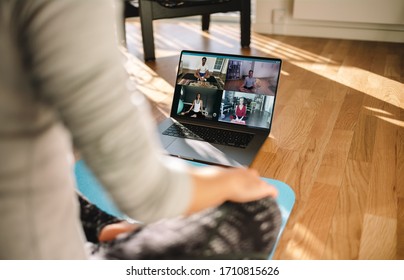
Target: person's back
[
  {"x": 62, "y": 80},
  {"x": 35, "y": 183}
]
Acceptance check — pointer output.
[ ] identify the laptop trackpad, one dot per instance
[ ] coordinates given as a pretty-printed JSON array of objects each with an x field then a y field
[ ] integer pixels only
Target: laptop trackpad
[{"x": 200, "y": 151}]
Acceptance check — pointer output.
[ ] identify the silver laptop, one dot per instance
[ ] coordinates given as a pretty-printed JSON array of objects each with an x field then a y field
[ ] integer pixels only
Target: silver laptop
[{"x": 222, "y": 107}]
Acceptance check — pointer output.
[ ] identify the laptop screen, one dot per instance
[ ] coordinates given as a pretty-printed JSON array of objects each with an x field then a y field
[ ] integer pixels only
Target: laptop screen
[{"x": 233, "y": 89}]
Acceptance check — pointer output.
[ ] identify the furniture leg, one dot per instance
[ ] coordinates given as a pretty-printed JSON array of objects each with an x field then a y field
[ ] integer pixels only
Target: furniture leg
[
  {"x": 205, "y": 22},
  {"x": 245, "y": 23},
  {"x": 146, "y": 19}
]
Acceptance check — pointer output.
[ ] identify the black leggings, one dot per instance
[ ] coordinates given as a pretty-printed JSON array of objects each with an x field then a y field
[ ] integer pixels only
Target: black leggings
[
  {"x": 198, "y": 114},
  {"x": 230, "y": 231}
]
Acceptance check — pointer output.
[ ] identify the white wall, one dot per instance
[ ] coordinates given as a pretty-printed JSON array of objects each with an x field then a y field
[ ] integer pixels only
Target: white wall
[
  {"x": 378, "y": 20},
  {"x": 245, "y": 67},
  {"x": 365, "y": 11}
]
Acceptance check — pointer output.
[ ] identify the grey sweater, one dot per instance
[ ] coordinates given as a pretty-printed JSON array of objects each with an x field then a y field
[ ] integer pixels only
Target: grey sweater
[{"x": 62, "y": 83}]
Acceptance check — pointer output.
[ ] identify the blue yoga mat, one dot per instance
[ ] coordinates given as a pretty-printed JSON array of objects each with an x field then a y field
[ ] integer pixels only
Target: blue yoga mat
[{"x": 88, "y": 185}]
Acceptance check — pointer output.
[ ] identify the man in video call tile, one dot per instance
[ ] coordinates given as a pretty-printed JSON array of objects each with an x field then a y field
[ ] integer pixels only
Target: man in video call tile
[
  {"x": 202, "y": 72},
  {"x": 250, "y": 83}
]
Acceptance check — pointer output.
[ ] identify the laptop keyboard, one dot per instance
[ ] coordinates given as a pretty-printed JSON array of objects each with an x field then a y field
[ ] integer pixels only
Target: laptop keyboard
[{"x": 208, "y": 134}]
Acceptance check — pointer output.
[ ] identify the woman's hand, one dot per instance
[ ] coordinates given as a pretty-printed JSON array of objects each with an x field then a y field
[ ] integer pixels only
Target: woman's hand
[
  {"x": 213, "y": 186},
  {"x": 111, "y": 231}
]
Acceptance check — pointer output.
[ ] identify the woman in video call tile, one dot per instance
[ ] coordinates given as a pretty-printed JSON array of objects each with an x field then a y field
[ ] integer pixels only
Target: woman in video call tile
[
  {"x": 240, "y": 115},
  {"x": 196, "y": 108}
]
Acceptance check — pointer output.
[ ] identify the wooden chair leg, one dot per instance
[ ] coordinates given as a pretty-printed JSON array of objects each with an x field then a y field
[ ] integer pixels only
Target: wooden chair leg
[
  {"x": 146, "y": 23},
  {"x": 205, "y": 22},
  {"x": 245, "y": 23}
]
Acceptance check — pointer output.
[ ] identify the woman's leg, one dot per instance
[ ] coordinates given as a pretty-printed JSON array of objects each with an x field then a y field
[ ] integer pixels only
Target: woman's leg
[
  {"x": 93, "y": 219},
  {"x": 231, "y": 231}
]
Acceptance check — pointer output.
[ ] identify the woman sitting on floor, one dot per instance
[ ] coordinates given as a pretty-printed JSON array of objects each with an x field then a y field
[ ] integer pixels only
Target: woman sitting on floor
[
  {"x": 230, "y": 231},
  {"x": 196, "y": 108},
  {"x": 240, "y": 114}
]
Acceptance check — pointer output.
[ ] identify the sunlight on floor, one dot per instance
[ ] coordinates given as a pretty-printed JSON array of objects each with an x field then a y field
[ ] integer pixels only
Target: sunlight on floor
[
  {"x": 296, "y": 250},
  {"x": 207, "y": 35},
  {"x": 385, "y": 116},
  {"x": 346, "y": 75},
  {"x": 349, "y": 76},
  {"x": 393, "y": 121}
]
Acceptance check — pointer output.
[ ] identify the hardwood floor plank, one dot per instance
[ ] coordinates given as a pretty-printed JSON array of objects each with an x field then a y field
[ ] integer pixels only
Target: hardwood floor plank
[
  {"x": 284, "y": 251},
  {"x": 382, "y": 229},
  {"x": 306, "y": 168},
  {"x": 393, "y": 66},
  {"x": 400, "y": 228},
  {"x": 323, "y": 126},
  {"x": 276, "y": 165},
  {"x": 400, "y": 185},
  {"x": 382, "y": 199},
  {"x": 311, "y": 229},
  {"x": 294, "y": 131},
  {"x": 346, "y": 229},
  {"x": 363, "y": 139},
  {"x": 350, "y": 110},
  {"x": 288, "y": 131},
  {"x": 341, "y": 50},
  {"x": 400, "y": 160},
  {"x": 333, "y": 164}
]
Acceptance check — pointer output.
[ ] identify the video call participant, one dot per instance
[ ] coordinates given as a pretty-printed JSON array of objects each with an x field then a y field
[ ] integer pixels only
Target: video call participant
[{"x": 202, "y": 72}]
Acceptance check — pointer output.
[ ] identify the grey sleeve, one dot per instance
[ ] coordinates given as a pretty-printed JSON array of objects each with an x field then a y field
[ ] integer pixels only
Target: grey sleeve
[{"x": 76, "y": 68}]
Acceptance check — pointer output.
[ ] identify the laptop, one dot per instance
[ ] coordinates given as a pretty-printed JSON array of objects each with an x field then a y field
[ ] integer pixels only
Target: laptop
[{"x": 222, "y": 107}]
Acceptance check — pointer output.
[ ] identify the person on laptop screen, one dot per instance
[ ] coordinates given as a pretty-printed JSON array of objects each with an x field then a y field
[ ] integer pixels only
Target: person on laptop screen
[
  {"x": 250, "y": 83},
  {"x": 196, "y": 109},
  {"x": 202, "y": 71},
  {"x": 240, "y": 115}
]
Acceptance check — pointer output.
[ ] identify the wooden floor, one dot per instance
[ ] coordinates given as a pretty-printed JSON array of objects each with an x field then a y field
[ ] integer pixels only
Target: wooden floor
[{"x": 337, "y": 137}]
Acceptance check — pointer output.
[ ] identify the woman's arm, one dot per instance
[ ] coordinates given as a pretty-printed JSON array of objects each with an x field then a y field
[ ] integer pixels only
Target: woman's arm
[{"x": 192, "y": 106}]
